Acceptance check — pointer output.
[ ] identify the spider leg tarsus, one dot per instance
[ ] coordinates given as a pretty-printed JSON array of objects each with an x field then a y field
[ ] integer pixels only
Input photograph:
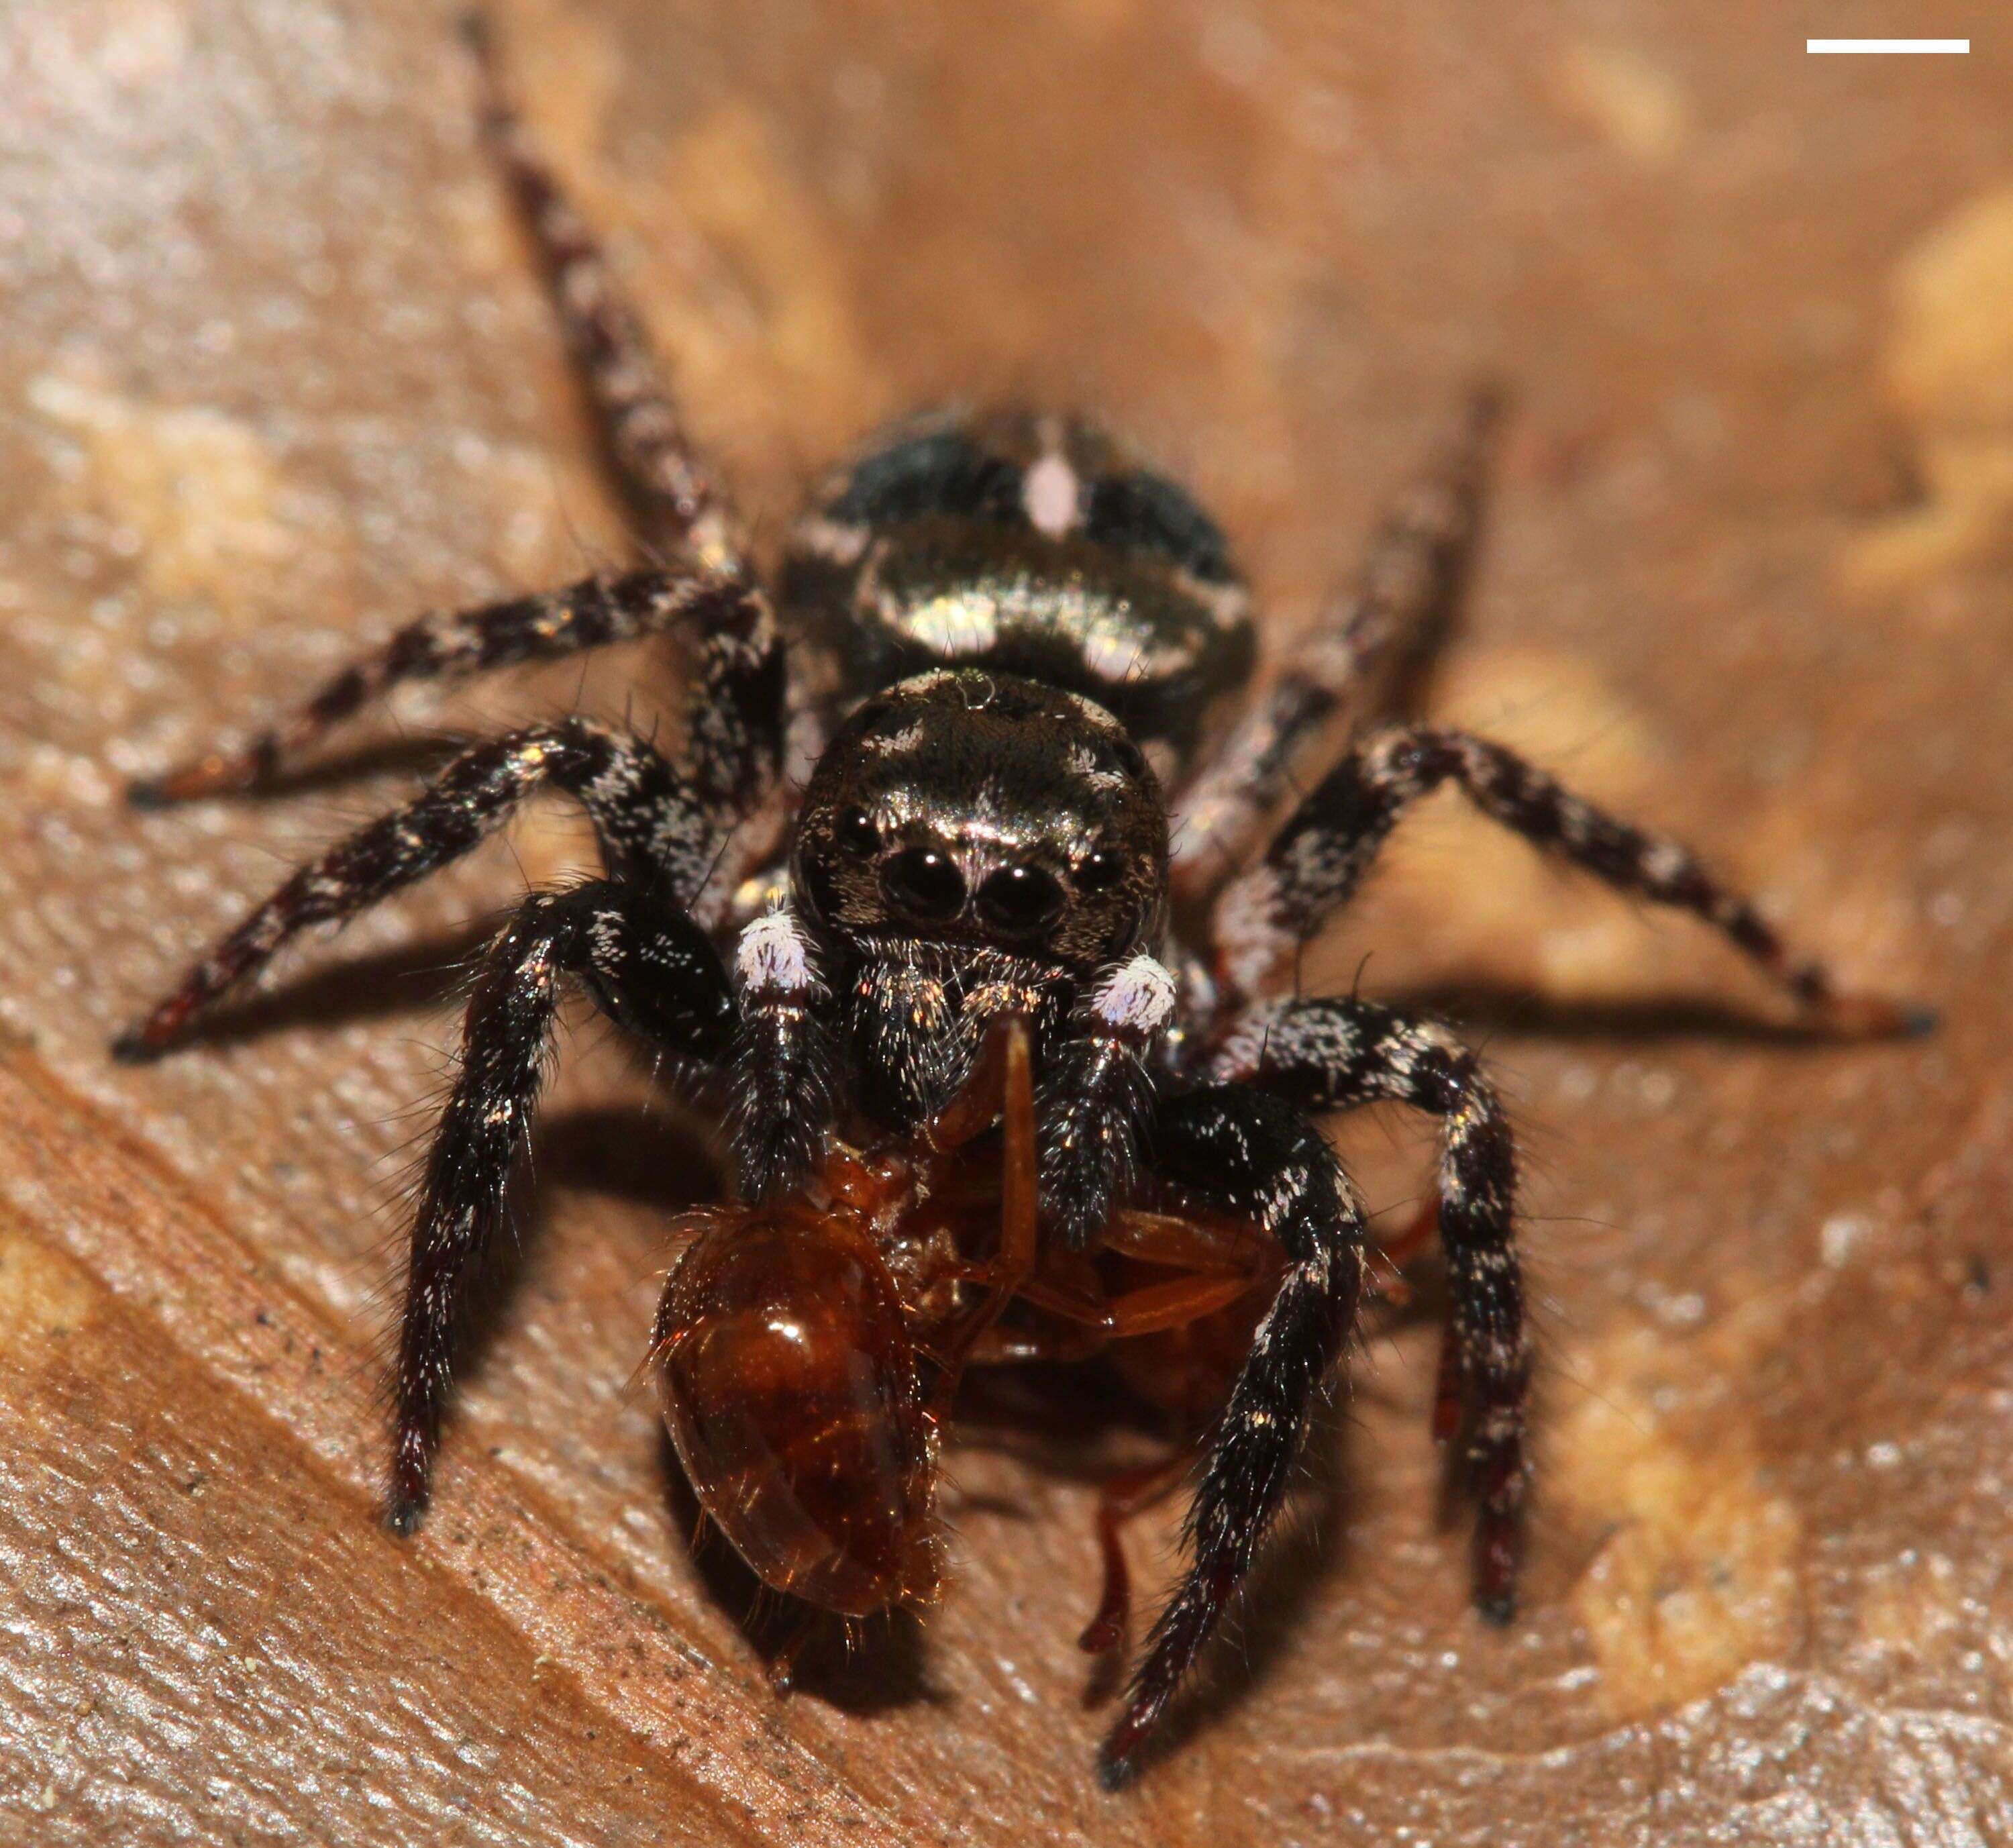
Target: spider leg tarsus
[
  {"x": 142, "y": 1044},
  {"x": 1872, "y": 1017},
  {"x": 217, "y": 774}
]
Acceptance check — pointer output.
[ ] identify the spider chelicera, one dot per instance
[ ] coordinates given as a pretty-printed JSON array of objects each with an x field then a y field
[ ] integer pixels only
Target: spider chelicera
[{"x": 955, "y": 770}]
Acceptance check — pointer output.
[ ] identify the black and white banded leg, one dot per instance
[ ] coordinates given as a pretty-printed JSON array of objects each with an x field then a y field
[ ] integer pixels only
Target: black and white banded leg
[
  {"x": 1317, "y": 859},
  {"x": 739, "y": 718},
  {"x": 1256, "y": 1155},
  {"x": 651, "y": 969},
  {"x": 681, "y": 503},
  {"x": 1096, "y": 1095},
  {"x": 1385, "y": 622},
  {"x": 1336, "y": 1055},
  {"x": 654, "y": 830}
]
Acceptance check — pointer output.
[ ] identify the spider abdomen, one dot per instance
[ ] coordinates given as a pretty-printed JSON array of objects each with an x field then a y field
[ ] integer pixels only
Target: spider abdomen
[{"x": 1030, "y": 544}]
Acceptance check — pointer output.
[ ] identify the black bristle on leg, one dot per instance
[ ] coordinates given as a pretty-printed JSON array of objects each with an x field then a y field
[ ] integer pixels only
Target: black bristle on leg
[
  {"x": 1251, "y": 1153},
  {"x": 1359, "y": 651},
  {"x": 651, "y": 969},
  {"x": 1336, "y": 1054}
]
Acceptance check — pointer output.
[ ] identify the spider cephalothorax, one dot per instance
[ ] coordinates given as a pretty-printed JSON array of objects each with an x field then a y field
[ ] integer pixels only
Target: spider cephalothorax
[
  {"x": 977, "y": 807},
  {"x": 987, "y": 670}
]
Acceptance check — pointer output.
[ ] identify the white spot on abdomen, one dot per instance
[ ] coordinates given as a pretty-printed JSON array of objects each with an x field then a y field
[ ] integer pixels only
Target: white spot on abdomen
[{"x": 1049, "y": 493}]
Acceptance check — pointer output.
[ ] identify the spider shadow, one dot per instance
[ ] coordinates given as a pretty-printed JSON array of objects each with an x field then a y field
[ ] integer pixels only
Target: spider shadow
[
  {"x": 413, "y": 978},
  {"x": 1494, "y": 1008},
  {"x": 860, "y": 1669},
  {"x": 409, "y": 754}
]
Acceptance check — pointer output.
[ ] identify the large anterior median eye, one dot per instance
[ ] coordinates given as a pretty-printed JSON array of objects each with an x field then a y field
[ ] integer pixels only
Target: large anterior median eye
[
  {"x": 1020, "y": 900},
  {"x": 923, "y": 883}
]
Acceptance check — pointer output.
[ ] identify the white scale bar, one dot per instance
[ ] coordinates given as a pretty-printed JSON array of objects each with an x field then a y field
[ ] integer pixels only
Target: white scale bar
[{"x": 1905, "y": 46}]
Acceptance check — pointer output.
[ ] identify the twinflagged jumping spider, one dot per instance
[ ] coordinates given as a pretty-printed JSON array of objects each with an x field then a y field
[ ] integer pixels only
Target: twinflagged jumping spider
[{"x": 954, "y": 772}]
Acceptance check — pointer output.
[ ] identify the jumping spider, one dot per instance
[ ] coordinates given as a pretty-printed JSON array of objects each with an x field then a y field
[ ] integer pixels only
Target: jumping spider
[{"x": 945, "y": 774}]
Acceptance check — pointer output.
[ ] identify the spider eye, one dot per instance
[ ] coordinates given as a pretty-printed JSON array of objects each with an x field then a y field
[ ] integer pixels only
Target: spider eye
[
  {"x": 1019, "y": 900},
  {"x": 855, "y": 832},
  {"x": 1096, "y": 871},
  {"x": 924, "y": 883}
]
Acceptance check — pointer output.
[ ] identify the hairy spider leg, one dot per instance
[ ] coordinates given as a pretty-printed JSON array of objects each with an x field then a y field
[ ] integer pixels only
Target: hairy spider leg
[
  {"x": 686, "y": 514},
  {"x": 1317, "y": 861},
  {"x": 738, "y": 724},
  {"x": 681, "y": 502},
  {"x": 1098, "y": 1092},
  {"x": 653, "y": 830},
  {"x": 1338, "y": 1054},
  {"x": 1368, "y": 639},
  {"x": 1226, "y": 1259},
  {"x": 1256, "y": 1155},
  {"x": 651, "y": 969}
]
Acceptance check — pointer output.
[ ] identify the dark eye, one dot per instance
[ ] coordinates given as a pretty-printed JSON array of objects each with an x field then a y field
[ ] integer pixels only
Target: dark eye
[
  {"x": 1019, "y": 900},
  {"x": 923, "y": 883},
  {"x": 855, "y": 832},
  {"x": 1095, "y": 871}
]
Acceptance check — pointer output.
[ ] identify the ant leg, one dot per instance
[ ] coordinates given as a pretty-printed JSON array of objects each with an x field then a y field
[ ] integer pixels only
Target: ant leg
[
  {"x": 1009, "y": 1051},
  {"x": 679, "y": 498},
  {"x": 652, "y": 970},
  {"x": 1317, "y": 859},
  {"x": 1145, "y": 1310},
  {"x": 652, "y": 829},
  {"x": 780, "y": 1665},
  {"x": 1121, "y": 1497},
  {"x": 1252, "y": 1154},
  {"x": 1368, "y": 637},
  {"x": 1335, "y": 1054}
]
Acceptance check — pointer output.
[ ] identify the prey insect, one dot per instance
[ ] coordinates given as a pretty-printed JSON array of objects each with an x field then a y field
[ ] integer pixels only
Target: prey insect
[
  {"x": 955, "y": 765},
  {"x": 808, "y": 1352}
]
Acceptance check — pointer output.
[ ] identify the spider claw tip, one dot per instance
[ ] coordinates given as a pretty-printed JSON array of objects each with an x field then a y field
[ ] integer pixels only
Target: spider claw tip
[
  {"x": 1114, "y": 1772},
  {"x": 133, "y": 1047}
]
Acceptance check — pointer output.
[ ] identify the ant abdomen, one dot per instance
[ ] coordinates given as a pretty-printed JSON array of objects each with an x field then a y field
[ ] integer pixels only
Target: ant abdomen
[{"x": 789, "y": 1384}]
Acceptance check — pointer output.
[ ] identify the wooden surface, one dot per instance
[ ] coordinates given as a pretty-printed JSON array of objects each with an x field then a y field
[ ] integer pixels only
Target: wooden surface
[{"x": 274, "y": 373}]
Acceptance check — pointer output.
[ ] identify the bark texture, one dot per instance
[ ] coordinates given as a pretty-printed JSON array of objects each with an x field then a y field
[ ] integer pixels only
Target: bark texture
[{"x": 274, "y": 374}]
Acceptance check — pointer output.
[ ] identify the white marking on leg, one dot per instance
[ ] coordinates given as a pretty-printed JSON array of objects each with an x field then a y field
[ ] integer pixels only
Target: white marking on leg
[
  {"x": 1136, "y": 1000},
  {"x": 773, "y": 958}
]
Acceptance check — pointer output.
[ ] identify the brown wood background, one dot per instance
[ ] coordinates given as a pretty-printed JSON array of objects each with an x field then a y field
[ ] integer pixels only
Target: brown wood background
[{"x": 274, "y": 373}]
